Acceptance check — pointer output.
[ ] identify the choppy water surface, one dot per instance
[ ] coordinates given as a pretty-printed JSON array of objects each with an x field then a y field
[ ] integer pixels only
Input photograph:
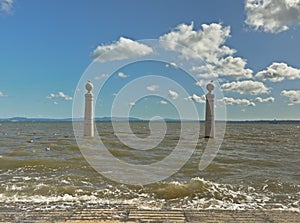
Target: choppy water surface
[{"x": 257, "y": 167}]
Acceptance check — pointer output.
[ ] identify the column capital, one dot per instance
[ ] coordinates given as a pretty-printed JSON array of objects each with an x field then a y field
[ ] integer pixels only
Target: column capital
[{"x": 89, "y": 86}]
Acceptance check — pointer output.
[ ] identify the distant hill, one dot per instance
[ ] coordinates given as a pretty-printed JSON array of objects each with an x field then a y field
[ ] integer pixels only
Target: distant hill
[
  {"x": 97, "y": 119},
  {"x": 24, "y": 119},
  {"x": 116, "y": 119},
  {"x": 132, "y": 119}
]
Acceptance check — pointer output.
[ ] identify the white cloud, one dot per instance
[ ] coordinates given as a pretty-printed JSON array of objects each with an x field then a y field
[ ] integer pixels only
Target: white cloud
[
  {"x": 162, "y": 102},
  {"x": 172, "y": 64},
  {"x": 132, "y": 104},
  {"x": 64, "y": 96},
  {"x": 208, "y": 76},
  {"x": 122, "y": 49},
  {"x": 51, "y": 96},
  {"x": 122, "y": 75},
  {"x": 292, "y": 95},
  {"x": 262, "y": 100},
  {"x": 208, "y": 43},
  {"x": 61, "y": 95},
  {"x": 6, "y": 6},
  {"x": 233, "y": 101},
  {"x": 272, "y": 15},
  {"x": 152, "y": 87},
  {"x": 2, "y": 94},
  {"x": 100, "y": 77},
  {"x": 277, "y": 72},
  {"x": 56, "y": 103},
  {"x": 233, "y": 67},
  {"x": 201, "y": 83},
  {"x": 196, "y": 98},
  {"x": 206, "y": 71},
  {"x": 173, "y": 94},
  {"x": 246, "y": 87}
]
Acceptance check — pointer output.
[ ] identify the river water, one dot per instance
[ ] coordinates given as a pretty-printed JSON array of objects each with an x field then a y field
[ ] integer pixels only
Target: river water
[{"x": 257, "y": 167}]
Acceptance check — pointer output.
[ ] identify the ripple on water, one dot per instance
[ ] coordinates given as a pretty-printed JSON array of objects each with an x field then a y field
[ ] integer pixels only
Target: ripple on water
[{"x": 257, "y": 167}]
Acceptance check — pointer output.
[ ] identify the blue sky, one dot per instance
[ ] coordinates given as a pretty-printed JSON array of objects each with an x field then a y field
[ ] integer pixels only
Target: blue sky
[{"x": 251, "y": 47}]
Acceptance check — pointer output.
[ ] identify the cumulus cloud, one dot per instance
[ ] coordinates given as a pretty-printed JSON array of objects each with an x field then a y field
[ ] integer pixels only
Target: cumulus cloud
[
  {"x": 196, "y": 98},
  {"x": 233, "y": 67},
  {"x": 292, "y": 95},
  {"x": 61, "y": 95},
  {"x": 272, "y": 15},
  {"x": 208, "y": 43},
  {"x": 246, "y": 87},
  {"x": 233, "y": 101},
  {"x": 262, "y": 100},
  {"x": 173, "y": 94},
  {"x": 207, "y": 71},
  {"x": 2, "y": 94},
  {"x": 152, "y": 87},
  {"x": 122, "y": 49},
  {"x": 277, "y": 72},
  {"x": 6, "y": 6},
  {"x": 162, "y": 102},
  {"x": 201, "y": 83},
  {"x": 122, "y": 75}
]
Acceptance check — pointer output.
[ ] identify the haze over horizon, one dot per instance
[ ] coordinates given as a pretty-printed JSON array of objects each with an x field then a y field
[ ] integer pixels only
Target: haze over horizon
[{"x": 251, "y": 47}]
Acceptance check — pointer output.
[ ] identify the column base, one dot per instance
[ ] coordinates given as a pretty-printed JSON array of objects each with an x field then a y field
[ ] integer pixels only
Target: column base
[{"x": 209, "y": 137}]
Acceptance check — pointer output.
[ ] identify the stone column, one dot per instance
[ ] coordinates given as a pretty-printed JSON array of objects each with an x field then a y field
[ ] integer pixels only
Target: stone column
[
  {"x": 210, "y": 113},
  {"x": 89, "y": 111}
]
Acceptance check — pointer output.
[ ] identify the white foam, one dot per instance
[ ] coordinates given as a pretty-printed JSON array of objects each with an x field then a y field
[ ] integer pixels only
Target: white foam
[{"x": 219, "y": 197}]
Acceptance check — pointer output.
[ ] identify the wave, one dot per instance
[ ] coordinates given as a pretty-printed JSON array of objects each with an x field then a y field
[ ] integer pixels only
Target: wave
[
  {"x": 194, "y": 194},
  {"x": 236, "y": 179}
]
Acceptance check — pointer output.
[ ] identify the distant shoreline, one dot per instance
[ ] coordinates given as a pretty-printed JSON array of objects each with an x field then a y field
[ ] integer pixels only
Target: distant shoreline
[{"x": 117, "y": 119}]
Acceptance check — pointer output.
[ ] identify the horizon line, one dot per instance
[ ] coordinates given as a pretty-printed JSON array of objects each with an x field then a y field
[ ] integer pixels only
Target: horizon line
[{"x": 17, "y": 118}]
